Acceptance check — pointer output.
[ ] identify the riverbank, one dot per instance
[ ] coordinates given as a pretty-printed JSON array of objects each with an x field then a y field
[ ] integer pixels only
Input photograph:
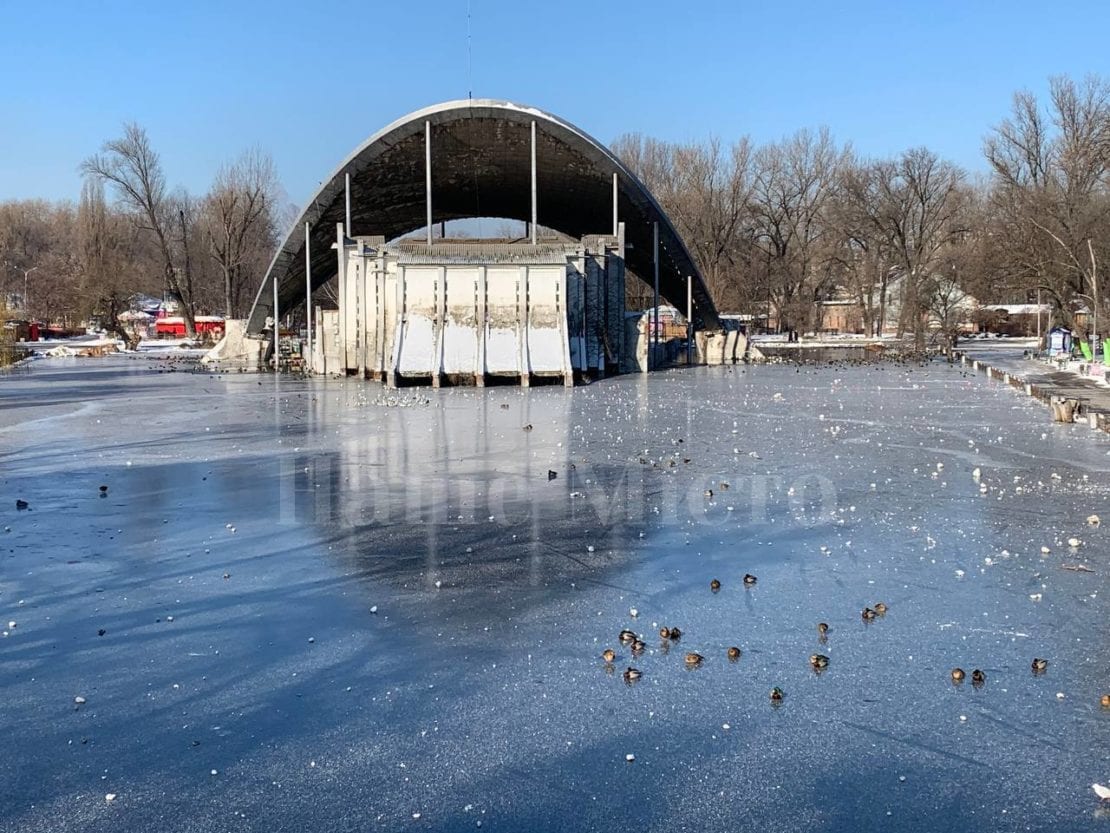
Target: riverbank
[{"x": 1039, "y": 379}]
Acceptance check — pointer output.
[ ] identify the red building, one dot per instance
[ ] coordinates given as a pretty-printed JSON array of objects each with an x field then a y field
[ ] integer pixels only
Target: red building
[{"x": 173, "y": 326}]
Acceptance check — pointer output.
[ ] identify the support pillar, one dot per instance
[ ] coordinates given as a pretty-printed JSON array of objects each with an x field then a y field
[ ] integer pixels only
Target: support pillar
[
  {"x": 363, "y": 290},
  {"x": 689, "y": 320},
  {"x": 428, "y": 177},
  {"x": 616, "y": 218},
  {"x": 535, "y": 201},
  {"x": 653, "y": 342},
  {"x": 380, "y": 352},
  {"x": 347, "y": 185},
  {"x": 440, "y": 325},
  {"x": 344, "y": 307},
  {"x": 277, "y": 324},
  {"x": 525, "y": 359},
  {"x": 480, "y": 361},
  {"x": 308, "y": 356}
]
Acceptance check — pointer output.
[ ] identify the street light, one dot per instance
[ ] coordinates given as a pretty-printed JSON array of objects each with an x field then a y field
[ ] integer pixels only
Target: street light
[
  {"x": 26, "y": 296},
  {"x": 25, "y": 272}
]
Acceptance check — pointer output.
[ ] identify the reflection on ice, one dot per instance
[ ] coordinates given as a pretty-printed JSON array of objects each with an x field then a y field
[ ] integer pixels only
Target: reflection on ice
[{"x": 359, "y": 606}]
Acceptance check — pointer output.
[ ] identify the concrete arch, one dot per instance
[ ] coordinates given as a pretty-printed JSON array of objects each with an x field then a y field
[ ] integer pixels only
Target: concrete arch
[{"x": 481, "y": 167}]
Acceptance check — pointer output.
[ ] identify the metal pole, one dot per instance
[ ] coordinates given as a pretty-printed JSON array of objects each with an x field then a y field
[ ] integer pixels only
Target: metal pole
[
  {"x": 307, "y": 296},
  {"x": 1038, "y": 319},
  {"x": 428, "y": 176},
  {"x": 689, "y": 319},
  {"x": 27, "y": 290},
  {"x": 535, "y": 202},
  {"x": 1096, "y": 345},
  {"x": 616, "y": 218},
  {"x": 277, "y": 326},
  {"x": 655, "y": 260},
  {"x": 348, "y": 186}
]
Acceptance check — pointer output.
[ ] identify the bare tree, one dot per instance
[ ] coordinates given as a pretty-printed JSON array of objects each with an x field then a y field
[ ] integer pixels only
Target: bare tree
[
  {"x": 859, "y": 249},
  {"x": 111, "y": 266},
  {"x": 133, "y": 168},
  {"x": 706, "y": 189},
  {"x": 239, "y": 224},
  {"x": 1050, "y": 201},
  {"x": 795, "y": 181},
  {"x": 25, "y": 241},
  {"x": 914, "y": 205},
  {"x": 714, "y": 187},
  {"x": 97, "y": 245}
]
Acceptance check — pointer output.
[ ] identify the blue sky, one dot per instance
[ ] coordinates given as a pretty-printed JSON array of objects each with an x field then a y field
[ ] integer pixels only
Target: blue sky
[{"x": 308, "y": 81}]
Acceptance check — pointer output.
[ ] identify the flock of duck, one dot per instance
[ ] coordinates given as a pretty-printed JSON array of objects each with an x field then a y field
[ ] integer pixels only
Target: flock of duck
[
  {"x": 818, "y": 662},
  {"x": 692, "y": 659}
]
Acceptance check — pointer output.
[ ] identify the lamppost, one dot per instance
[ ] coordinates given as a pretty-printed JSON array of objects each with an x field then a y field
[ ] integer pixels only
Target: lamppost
[
  {"x": 26, "y": 295},
  {"x": 25, "y": 272}
]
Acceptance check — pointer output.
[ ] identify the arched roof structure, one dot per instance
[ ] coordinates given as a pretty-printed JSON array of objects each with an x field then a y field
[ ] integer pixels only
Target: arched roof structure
[{"x": 481, "y": 167}]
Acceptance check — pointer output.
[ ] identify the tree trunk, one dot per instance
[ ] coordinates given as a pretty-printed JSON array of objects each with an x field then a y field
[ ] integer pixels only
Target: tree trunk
[{"x": 229, "y": 311}]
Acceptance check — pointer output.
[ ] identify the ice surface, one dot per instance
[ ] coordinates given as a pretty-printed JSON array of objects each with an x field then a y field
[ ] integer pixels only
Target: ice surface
[{"x": 272, "y": 518}]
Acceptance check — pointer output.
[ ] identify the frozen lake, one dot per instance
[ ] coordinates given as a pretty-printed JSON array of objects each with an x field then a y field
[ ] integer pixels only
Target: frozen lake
[{"x": 320, "y": 605}]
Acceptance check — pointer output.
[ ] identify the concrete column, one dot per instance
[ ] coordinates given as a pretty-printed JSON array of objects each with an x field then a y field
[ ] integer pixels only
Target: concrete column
[
  {"x": 308, "y": 354},
  {"x": 401, "y": 314},
  {"x": 440, "y": 323},
  {"x": 564, "y": 313},
  {"x": 522, "y": 319},
  {"x": 616, "y": 218},
  {"x": 380, "y": 356},
  {"x": 347, "y": 185},
  {"x": 319, "y": 347},
  {"x": 364, "y": 354},
  {"x": 653, "y": 342},
  {"x": 480, "y": 362},
  {"x": 428, "y": 177},
  {"x": 277, "y": 324},
  {"x": 535, "y": 195},
  {"x": 621, "y": 298},
  {"x": 341, "y": 253},
  {"x": 689, "y": 319}
]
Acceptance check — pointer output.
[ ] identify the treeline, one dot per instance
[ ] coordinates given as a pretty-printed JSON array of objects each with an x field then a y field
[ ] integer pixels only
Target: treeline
[
  {"x": 780, "y": 227},
  {"x": 775, "y": 229},
  {"x": 130, "y": 233}
]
